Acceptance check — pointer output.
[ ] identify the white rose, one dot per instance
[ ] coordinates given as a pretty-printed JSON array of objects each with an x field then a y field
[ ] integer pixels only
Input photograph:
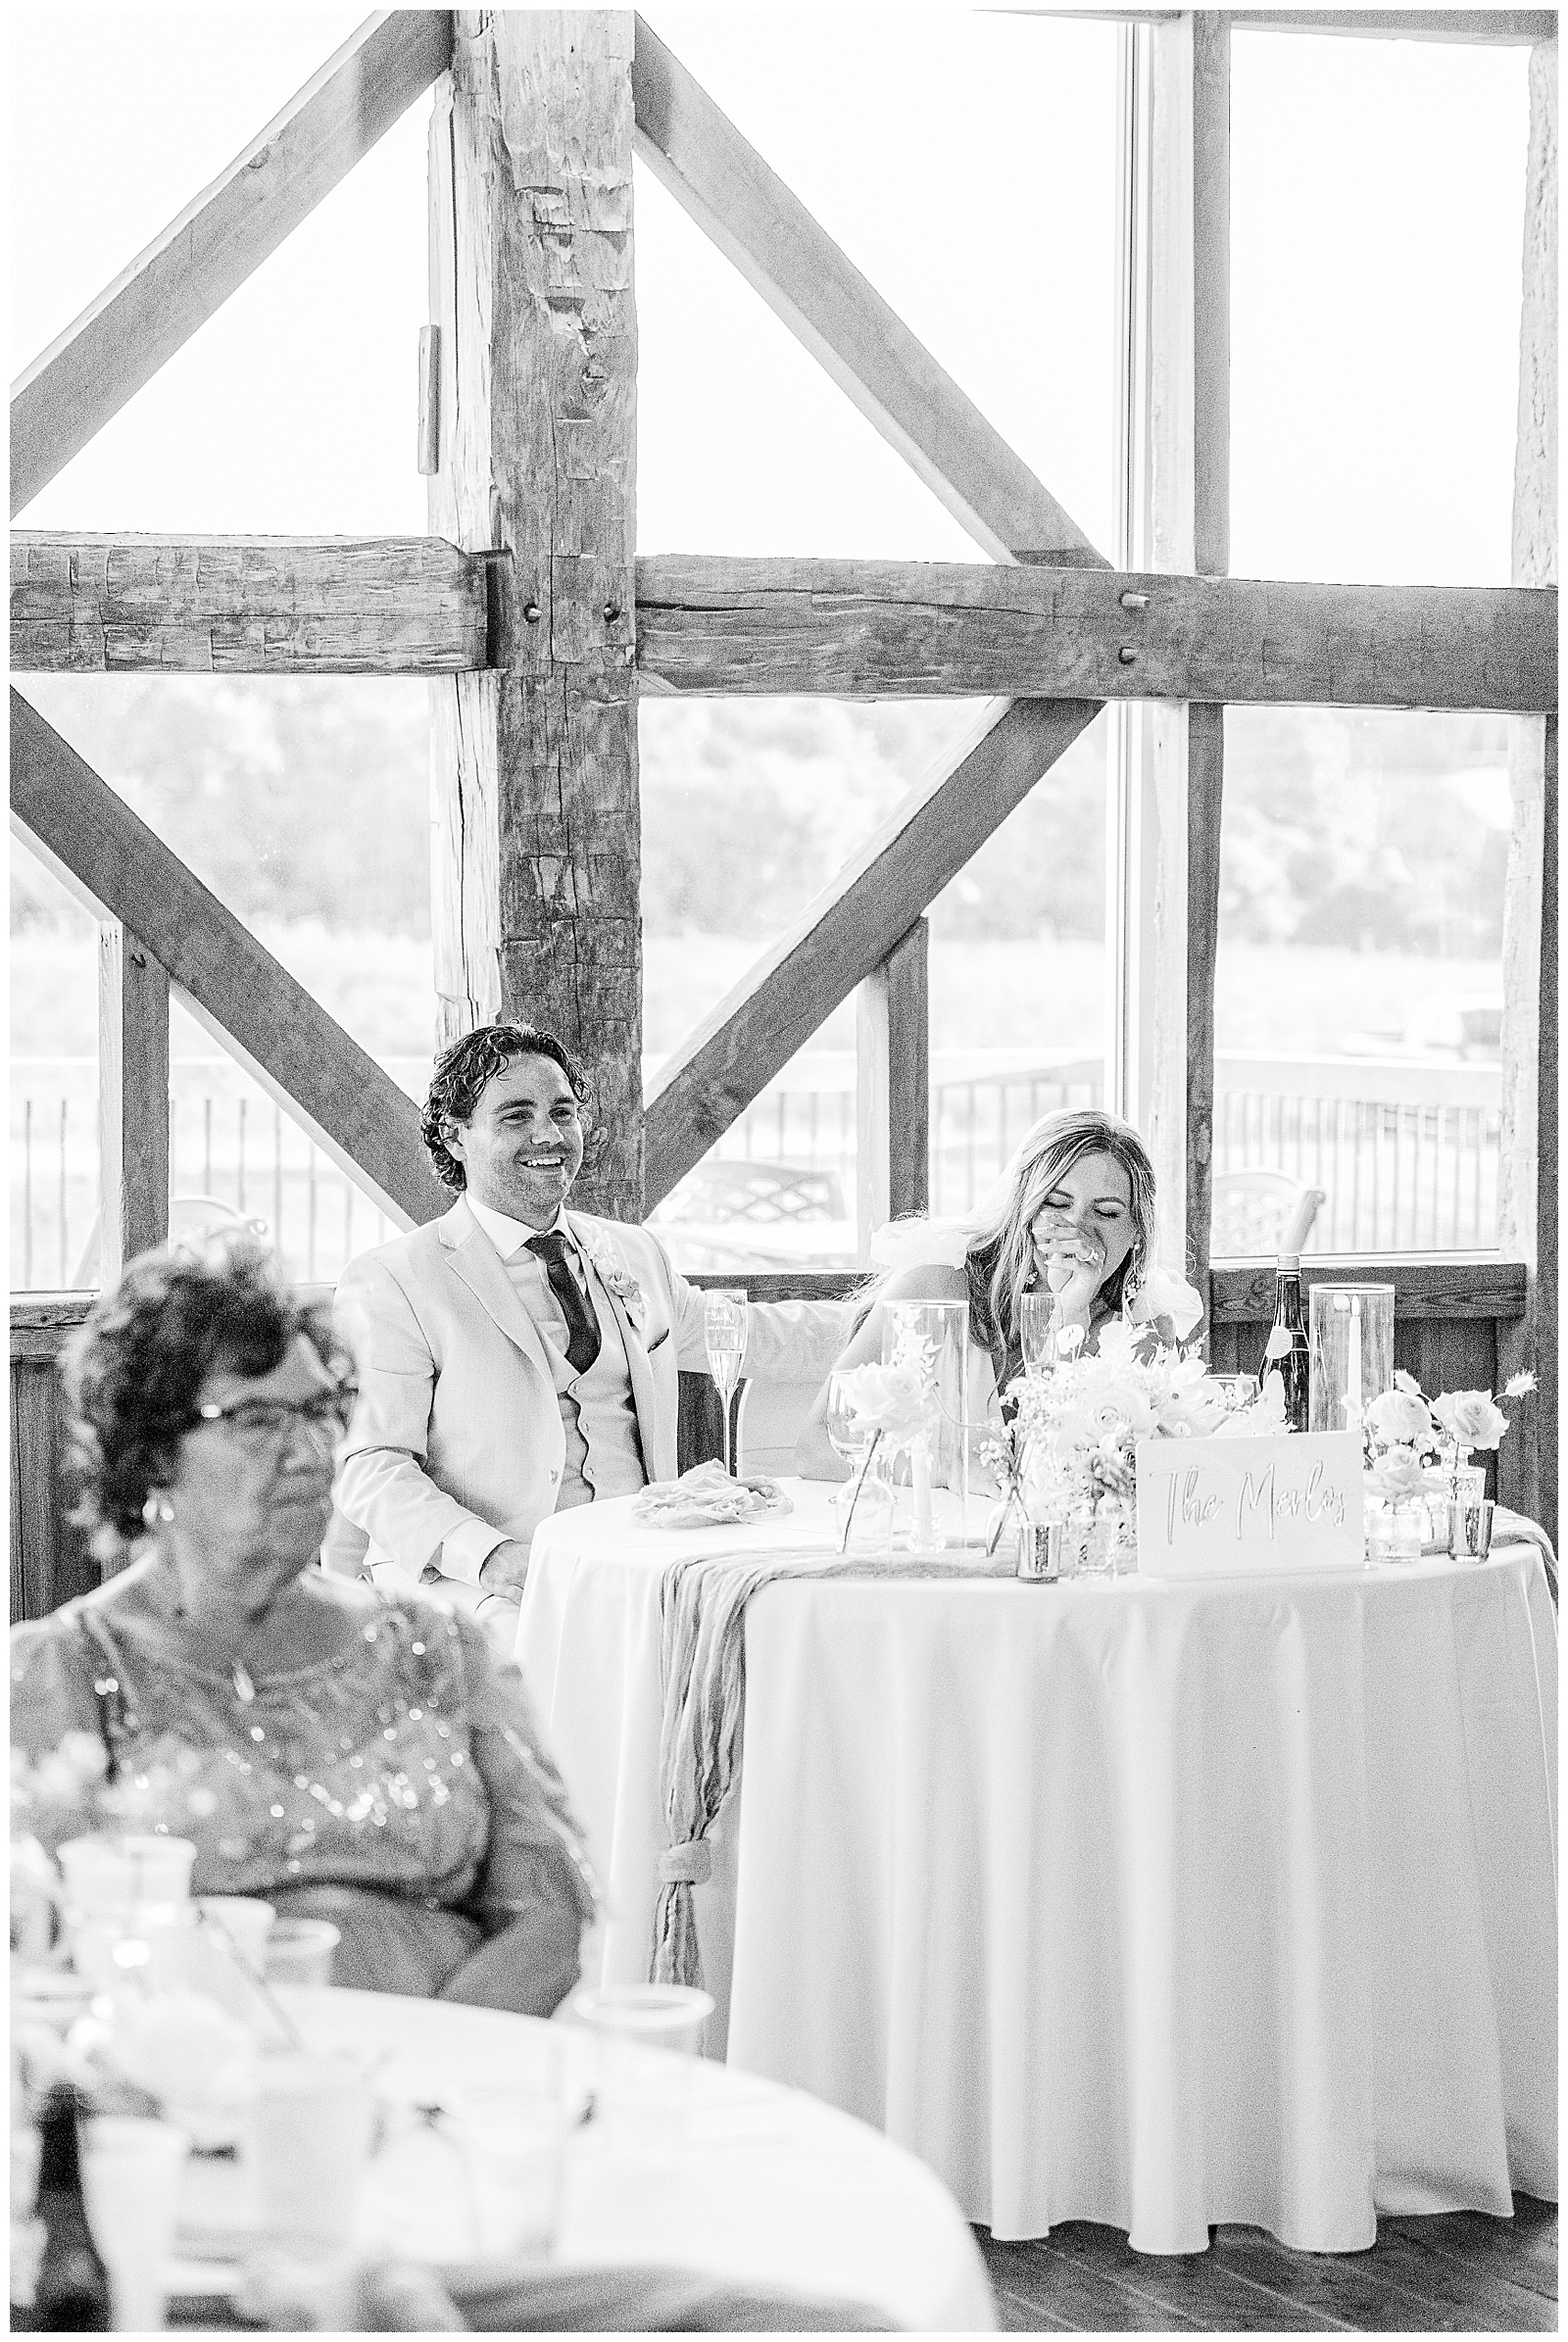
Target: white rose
[
  {"x": 886, "y": 1398},
  {"x": 1163, "y": 1294},
  {"x": 1397, "y": 1416},
  {"x": 1471, "y": 1418},
  {"x": 1397, "y": 1475}
]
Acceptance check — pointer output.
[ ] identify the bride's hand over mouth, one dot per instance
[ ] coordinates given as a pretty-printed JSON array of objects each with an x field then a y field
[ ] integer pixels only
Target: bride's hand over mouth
[{"x": 1074, "y": 1271}]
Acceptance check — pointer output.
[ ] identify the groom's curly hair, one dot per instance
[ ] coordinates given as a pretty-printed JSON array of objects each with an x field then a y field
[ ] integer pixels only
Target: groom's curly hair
[{"x": 462, "y": 1072}]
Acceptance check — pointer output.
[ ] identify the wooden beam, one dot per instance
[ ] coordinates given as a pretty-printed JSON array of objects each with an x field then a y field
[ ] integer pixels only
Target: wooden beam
[
  {"x": 1205, "y": 790},
  {"x": 112, "y": 862},
  {"x": 847, "y": 931},
  {"x": 245, "y": 606},
  {"x": 1209, "y": 204},
  {"x": 1528, "y": 1169},
  {"x": 929, "y": 629},
  {"x": 153, "y": 307},
  {"x": 771, "y": 236},
  {"x": 1472, "y": 27},
  {"x": 132, "y": 1099},
  {"x": 535, "y": 775},
  {"x": 1548, "y": 1297},
  {"x": 1476, "y": 27},
  {"x": 1449, "y": 1284},
  {"x": 893, "y": 1088},
  {"x": 854, "y": 629}
]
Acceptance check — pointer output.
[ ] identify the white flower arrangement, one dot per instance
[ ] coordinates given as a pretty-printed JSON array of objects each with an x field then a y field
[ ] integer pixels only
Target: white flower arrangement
[
  {"x": 896, "y": 1402},
  {"x": 1405, "y": 1432},
  {"x": 67, "y": 1791},
  {"x": 1068, "y": 1439}
]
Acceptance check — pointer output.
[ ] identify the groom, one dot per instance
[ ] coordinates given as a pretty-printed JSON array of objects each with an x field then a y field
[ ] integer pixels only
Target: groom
[{"x": 515, "y": 1358}]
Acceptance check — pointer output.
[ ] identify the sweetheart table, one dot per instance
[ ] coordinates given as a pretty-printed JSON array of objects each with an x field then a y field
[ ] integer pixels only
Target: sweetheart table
[{"x": 1150, "y": 1903}]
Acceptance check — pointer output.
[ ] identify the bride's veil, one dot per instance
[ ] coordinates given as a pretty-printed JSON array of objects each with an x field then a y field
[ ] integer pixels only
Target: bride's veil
[{"x": 918, "y": 1239}]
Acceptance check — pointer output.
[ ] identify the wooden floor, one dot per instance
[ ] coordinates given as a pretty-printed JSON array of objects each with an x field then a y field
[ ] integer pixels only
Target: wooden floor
[{"x": 1460, "y": 2274}]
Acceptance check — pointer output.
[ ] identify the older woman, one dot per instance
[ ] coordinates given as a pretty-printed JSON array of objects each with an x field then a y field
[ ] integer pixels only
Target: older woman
[
  {"x": 1073, "y": 1213},
  {"x": 344, "y": 1754}
]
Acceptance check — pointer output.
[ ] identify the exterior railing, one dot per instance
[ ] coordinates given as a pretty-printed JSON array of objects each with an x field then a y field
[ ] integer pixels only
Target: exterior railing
[{"x": 1406, "y": 1152}]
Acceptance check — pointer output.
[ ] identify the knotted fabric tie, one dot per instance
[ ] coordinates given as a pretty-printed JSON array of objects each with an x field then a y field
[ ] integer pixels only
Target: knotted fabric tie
[
  {"x": 690, "y": 1865},
  {"x": 582, "y": 1325}
]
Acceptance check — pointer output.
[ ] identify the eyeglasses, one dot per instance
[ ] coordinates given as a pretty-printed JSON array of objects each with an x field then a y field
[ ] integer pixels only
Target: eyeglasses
[{"x": 327, "y": 1412}]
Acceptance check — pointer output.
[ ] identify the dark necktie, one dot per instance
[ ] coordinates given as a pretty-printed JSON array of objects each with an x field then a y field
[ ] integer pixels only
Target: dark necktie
[{"x": 582, "y": 1325}]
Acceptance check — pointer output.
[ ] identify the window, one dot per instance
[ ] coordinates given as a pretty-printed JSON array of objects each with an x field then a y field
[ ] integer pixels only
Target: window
[{"x": 1359, "y": 986}]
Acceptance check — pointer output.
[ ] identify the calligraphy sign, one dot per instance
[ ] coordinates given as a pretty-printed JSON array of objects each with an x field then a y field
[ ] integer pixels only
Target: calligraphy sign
[{"x": 1209, "y": 1508}]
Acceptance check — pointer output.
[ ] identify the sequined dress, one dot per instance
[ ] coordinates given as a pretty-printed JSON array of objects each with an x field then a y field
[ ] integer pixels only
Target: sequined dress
[{"x": 397, "y": 1786}]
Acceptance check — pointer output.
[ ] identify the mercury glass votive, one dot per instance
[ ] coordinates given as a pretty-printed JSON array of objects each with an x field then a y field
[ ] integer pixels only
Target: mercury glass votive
[{"x": 1351, "y": 1354}]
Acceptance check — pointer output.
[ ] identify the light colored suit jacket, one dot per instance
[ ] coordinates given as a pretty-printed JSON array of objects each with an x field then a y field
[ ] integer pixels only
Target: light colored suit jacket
[{"x": 458, "y": 1418}]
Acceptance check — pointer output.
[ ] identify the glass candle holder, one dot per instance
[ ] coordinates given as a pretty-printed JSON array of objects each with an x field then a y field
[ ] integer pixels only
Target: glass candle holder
[{"x": 1352, "y": 1353}]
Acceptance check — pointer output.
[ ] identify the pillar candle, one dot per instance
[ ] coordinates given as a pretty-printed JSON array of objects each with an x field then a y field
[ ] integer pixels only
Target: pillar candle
[
  {"x": 1353, "y": 1368},
  {"x": 921, "y": 1468}
]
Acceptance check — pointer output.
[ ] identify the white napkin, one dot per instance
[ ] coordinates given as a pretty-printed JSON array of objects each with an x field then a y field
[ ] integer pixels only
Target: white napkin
[{"x": 706, "y": 1497}]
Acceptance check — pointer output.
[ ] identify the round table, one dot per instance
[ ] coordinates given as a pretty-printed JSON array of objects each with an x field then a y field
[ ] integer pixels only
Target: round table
[
  {"x": 746, "y": 2181},
  {"x": 1158, "y": 1904}
]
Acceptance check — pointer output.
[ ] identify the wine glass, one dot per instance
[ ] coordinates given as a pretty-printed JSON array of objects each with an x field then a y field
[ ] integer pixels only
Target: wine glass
[
  {"x": 1036, "y": 1331},
  {"x": 862, "y": 1499},
  {"x": 724, "y": 1331},
  {"x": 844, "y": 1427},
  {"x": 850, "y": 1441}
]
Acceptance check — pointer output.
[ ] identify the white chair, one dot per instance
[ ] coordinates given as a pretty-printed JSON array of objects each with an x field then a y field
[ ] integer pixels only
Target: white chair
[
  {"x": 768, "y": 1421},
  {"x": 1258, "y": 1210},
  {"x": 190, "y": 1219}
]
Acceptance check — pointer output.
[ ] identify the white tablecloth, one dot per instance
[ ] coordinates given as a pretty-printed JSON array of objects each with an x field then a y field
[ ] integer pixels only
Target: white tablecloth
[
  {"x": 763, "y": 2186},
  {"x": 1150, "y": 1904}
]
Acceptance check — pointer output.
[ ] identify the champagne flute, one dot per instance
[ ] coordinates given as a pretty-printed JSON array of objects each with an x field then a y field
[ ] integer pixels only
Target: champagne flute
[
  {"x": 724, "y": 1331},
  {"x": 1036, "y": 1331}
]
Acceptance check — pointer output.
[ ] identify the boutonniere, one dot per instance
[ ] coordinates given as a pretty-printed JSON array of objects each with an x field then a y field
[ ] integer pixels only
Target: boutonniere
[{"x": 618, "y": 1280}]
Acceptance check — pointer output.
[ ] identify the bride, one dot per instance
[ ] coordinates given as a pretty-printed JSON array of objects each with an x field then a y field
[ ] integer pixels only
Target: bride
[{"x": 1073, "y": 1213}]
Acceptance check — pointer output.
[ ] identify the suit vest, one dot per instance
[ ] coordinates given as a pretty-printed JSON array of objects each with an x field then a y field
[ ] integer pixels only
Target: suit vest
[{"x": 604, "y": 1450}]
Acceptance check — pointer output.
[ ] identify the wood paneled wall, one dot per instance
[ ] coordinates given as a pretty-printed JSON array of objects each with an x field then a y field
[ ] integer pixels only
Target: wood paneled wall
[
  {"x": 49, "y": 1557},
  {"x": 1446, "y": 1319}
]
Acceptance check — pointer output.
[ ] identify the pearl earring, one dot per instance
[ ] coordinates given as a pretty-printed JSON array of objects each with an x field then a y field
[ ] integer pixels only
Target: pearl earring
[{"x": 157, "y": 1512}]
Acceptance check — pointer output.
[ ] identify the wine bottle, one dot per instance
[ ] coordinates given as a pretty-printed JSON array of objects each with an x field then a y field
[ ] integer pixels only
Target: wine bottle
[
  {"x": 1286, "y": 1351},
  {"x": 72, "y": 2294}
]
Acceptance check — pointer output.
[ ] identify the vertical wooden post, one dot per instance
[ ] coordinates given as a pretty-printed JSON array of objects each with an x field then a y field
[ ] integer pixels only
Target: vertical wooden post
[
  {"x": 1176, "y": 516},
  {"x": 132, "y": 1099},
  {"x": 1548, "y": 1255},
  {"x": 535, "y": 816},
  {"x": 1212, "y": 558},
  {"x": 1526, "y": 1199},
  {"x": 893, "y": 1088}
]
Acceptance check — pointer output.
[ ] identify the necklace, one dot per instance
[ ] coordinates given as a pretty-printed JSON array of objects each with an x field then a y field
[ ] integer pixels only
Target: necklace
[{"x": 239, "y": 1674}]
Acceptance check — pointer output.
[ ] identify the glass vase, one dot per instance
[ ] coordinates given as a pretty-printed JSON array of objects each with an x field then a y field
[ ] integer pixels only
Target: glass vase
[
  {"x": 932, "y": 1337},
  {"x": 862, "y": 1507},
  {"x": 1396, "y": 1529},
  {"x": 1352, "y": 1353},
  {"x": 1115, "y": 1533}
]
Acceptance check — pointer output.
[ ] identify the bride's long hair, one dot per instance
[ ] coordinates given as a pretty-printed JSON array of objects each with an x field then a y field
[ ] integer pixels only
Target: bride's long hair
[{"x": 1000, "y": 1259}]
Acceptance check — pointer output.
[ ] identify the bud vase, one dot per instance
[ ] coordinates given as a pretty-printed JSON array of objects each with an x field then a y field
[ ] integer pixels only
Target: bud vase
[
  {"x": 1107, "y": 1537},
  {"x": 1396, "y": 1530}
]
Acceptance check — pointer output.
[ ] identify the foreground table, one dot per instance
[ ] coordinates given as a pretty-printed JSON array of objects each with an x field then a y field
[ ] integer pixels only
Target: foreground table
[
  {"x": 760, "y": 2185},
  {"x": 1150, "y": 1904}
]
